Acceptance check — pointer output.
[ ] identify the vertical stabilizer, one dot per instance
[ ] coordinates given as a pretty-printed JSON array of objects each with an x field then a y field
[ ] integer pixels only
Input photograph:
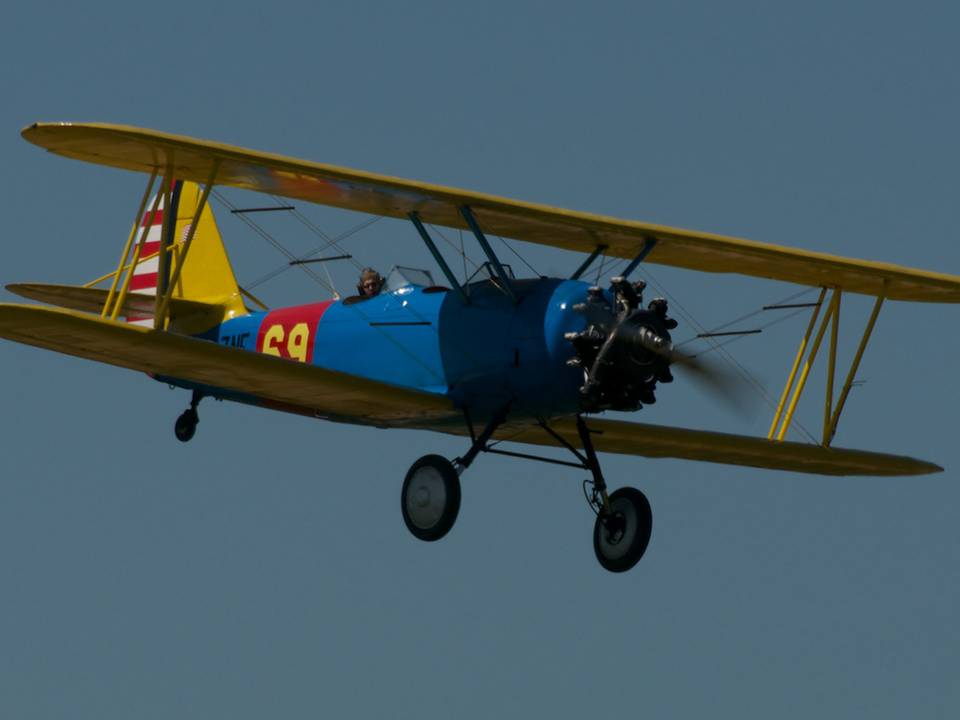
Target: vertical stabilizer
[{"x": 206, "y": 276}]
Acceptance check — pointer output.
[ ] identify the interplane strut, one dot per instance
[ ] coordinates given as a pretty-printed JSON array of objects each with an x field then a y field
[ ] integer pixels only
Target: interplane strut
[{"x": 790, "y": 396}]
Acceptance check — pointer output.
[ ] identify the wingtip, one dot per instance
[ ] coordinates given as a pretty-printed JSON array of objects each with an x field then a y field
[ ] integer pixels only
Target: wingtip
[{"x": 31, "y": 131}]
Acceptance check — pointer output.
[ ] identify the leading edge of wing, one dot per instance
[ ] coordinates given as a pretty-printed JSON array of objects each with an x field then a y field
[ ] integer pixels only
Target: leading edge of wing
[
  {"x": 144, "y": 150},
  {"x": 656, "y": 441},
  {"x": 327, "y": 393}
]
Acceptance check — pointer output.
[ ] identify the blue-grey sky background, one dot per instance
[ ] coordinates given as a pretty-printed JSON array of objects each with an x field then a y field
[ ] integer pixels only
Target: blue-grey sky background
[{"x": 264, "y": 570}]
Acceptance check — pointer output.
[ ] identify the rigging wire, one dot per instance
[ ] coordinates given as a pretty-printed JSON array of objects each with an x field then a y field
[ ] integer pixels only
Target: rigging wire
[
  {"x": 754, "y": 313},
  {"x": 724, "y": 353},
  {"x": 319, "y": 249},
  {"x": 273, "y": 241},
  {"x": 309, "y": 224},
  {"x": 721, "y": 344},
  {"x": 461, "y": 251},
  {"x": 603, "y": 264},
  {"x": 510, "y": 248}
]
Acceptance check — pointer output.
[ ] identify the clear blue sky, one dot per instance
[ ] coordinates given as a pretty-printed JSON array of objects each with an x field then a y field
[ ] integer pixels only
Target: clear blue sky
[{"x": 263, "y": 570}]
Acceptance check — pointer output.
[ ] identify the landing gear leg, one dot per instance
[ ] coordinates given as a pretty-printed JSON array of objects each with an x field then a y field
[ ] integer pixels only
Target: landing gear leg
[
  {"x": 624, "y": 521},
  {"x": 430, "y": 496},
  {"x": 480, "y": 443},
  {"x": 186, "y": 425}
]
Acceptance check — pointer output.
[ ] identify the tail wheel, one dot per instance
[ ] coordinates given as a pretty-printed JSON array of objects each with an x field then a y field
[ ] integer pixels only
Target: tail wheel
[
  {"x": 186, "y": 426},
  {"x": 430, "y": 498},
  {"x": 621, "y": 535}
]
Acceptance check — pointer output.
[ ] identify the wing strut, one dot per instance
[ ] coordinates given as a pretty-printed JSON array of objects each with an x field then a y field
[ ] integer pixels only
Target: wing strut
[
  {"x": 137, "y": 252},
  {"x": 126, "y": 248},
  {"x": 831, "y": 414},
  {"x": 160, "y": 321},
  {"x": 168, "y": 227},
  {"x": 853, "y": 370},
  {"x": 431, "y": 246},
  {"x": 648, "y": 245},
  {"x": 588, "y": 262},
  {"x": 488, "y": 251}
]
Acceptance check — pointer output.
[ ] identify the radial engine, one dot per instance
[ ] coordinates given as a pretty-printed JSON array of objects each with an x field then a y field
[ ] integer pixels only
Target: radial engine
[{"x": 624, "y": 350}]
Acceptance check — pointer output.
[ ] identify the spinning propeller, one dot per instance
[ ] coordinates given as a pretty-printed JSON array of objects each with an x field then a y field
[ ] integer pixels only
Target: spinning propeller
[{"x": 626, "y": 349}]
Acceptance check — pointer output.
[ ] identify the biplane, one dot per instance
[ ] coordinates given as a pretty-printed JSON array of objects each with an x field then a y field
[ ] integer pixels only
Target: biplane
[{"x": 498, "y": 358}]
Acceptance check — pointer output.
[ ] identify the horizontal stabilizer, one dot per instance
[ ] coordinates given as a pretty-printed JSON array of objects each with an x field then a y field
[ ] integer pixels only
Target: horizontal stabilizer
[
  {"x": 326, "y": 393},
  {"x": 90, "y": 300},
  {"x": 655, "y": 441}
]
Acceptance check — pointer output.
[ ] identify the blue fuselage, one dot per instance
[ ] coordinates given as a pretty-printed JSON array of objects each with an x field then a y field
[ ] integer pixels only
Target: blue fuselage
[{"x": 482, "y": 354}]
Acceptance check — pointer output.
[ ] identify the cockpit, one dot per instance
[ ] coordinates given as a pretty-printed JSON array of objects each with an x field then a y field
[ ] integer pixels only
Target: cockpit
[{"x": 402, "y": 280}]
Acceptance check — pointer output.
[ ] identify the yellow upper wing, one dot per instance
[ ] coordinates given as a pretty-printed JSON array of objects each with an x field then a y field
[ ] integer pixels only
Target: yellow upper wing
[
  {"x": 144, "y": 150},
  {"x": 327, "y": 393}
]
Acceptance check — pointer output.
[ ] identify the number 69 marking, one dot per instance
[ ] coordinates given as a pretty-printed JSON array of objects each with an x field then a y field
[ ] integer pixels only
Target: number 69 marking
[{"x": 297, "y": 342}]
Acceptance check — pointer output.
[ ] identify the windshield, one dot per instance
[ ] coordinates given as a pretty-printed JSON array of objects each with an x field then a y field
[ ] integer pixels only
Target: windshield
[{"x": 401, "y": 277}]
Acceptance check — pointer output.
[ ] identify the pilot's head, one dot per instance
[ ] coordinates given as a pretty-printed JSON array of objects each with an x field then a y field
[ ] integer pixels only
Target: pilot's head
[{"x": 370, "y": 283}]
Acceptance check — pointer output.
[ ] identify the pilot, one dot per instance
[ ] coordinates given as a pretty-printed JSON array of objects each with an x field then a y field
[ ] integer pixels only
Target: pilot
[{"x": 370, "y": 283}]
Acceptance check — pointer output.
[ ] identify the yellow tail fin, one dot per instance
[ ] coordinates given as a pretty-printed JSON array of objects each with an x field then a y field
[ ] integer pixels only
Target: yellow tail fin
[{"x": 207, "y": 276}]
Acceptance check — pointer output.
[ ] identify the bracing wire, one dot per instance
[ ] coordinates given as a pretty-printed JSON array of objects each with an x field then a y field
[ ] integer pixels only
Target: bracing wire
[
  {"x": 461, "y": 251},
  {"x": 330, "y": 241},
  {"x": 754, "y": 313},
  {"x": 317, "y": 250},
  {"x": 603, "y": 264},
  {"x": 274, "y": 242},
  {"x": 722, "y": 351},
  {"x": 511, "y": 249},
  {"x": 723, "y": 343}
]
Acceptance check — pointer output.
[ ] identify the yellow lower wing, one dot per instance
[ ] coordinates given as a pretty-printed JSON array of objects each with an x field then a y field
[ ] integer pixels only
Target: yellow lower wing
[
  {"x": 339, "y": 396},
  {"x": 666, "y": 442},
  {"x": 326, "y": 393}
]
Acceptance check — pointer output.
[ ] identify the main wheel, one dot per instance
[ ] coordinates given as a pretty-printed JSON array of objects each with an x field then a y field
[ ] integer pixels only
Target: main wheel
[
  {"x": 186, "y": 425},
  {"x": 430, "y": 499},
  {"x": 620, "y": 537}
]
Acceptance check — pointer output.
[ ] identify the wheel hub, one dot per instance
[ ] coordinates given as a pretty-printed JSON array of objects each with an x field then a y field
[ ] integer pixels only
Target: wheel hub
[
  {"x": 422, "y": 498},
  {"x": 616, "y": 527},
  {"x": 427, "y": 498}
]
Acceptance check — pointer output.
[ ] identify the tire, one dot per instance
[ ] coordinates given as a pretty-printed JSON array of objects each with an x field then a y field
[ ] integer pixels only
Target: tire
[
  {"x": 621, "y": 538},
  {"x": 430, "y": 498},
  {"x": 186, "y": 426}
]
